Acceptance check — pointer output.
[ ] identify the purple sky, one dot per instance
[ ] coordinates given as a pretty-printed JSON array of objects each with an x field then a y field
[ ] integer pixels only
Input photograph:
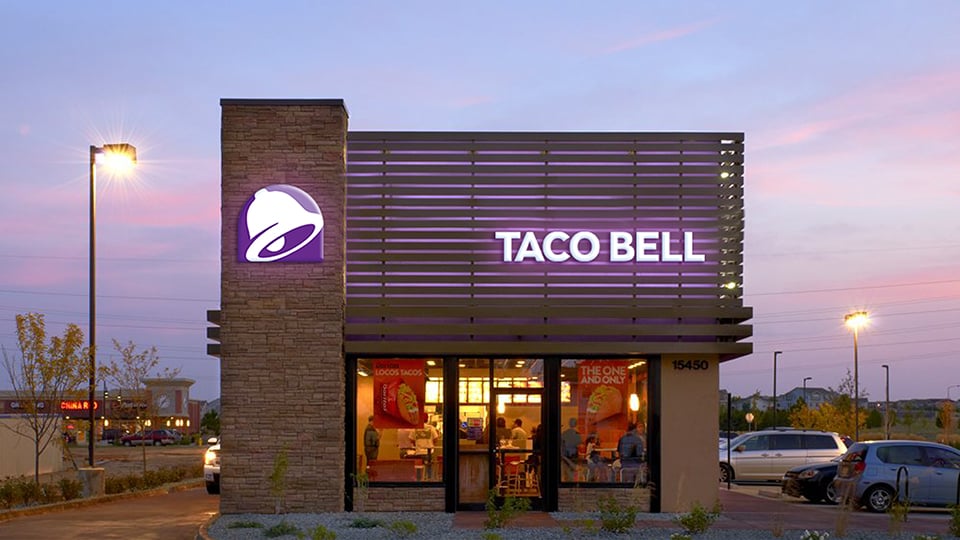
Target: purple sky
[{"x": 851, "y": 112}]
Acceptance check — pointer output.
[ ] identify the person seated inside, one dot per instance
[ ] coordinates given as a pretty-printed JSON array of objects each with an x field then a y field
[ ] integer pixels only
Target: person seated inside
[{"x": 630, "y": 451}]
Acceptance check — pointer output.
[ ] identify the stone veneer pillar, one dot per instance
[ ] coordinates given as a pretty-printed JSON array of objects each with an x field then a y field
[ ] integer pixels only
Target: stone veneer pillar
[{"x": 282, "y": 378}]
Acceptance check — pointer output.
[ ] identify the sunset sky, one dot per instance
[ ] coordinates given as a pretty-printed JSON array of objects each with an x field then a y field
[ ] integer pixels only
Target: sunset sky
[{"x": 851, "y": 112}]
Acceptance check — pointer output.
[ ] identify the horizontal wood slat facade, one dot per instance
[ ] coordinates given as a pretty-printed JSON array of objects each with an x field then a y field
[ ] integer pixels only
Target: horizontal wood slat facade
[{"x": 426, "y": 275}]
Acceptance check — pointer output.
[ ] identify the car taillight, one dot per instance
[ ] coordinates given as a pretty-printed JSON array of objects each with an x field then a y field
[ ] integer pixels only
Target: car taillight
[{"x": 858, "y": 467}]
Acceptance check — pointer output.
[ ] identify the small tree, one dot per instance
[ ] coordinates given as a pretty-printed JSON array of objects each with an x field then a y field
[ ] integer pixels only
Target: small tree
[
  {"x": 210, "y": 423},
  {"x": 128, "y": 373},
  {"x": 43, "y": 375},
  {"x": 945, "y": 418}
]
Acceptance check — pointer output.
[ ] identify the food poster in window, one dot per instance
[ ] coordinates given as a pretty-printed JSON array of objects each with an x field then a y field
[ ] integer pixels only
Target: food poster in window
[
  {"x": 602, "y": 395},
  {"x": 399, "y": 387}
]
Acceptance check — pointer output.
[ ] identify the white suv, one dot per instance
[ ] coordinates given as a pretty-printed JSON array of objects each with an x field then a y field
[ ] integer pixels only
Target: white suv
[
  {"x": 767, "y": 455},
  {"x": 211, "y": 467}
]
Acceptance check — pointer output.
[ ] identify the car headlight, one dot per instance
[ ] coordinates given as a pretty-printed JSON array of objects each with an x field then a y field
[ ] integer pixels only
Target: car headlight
[
  {"x": 209, "y": 457},
  {"x": 808, "y": 474}
]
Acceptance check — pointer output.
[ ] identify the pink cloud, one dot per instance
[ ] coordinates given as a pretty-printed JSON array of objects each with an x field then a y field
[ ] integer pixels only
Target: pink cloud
[
  {"x": 921, "y": 105},
  {"x": 657, "y": 37}
]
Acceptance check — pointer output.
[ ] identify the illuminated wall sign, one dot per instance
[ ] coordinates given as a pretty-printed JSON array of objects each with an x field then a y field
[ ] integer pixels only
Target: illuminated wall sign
[
  {"x": 280, "y": 222},
  {"x": 585, "y": 246},
  {"x": 78, "y": 405}
]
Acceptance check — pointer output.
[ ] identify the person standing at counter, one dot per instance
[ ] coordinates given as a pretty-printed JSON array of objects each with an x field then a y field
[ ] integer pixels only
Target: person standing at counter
[
  {"x": 518, "y": 436},
  {"x": 371, "y": 441}
]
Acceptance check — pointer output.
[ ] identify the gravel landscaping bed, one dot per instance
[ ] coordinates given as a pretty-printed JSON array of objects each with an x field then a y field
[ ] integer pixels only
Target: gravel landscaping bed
[{"x": 436, "y": 525}]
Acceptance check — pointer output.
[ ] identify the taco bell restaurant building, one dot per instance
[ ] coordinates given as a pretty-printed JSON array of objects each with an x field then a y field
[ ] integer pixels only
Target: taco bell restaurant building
[{"x": 440, "y": 317}]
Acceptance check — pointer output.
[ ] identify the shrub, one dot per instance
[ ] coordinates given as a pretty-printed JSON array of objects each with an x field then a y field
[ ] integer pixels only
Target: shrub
[
  {"x": 28, "y": 492},
  {"x": 698, "y": 519},
  {"x": 8, "y": 496},
  {"x": 50, "y": 493},
  {"x": 282, "y": 529},
  {"x": 364, "y": 522},
  {"x": 403, "y": 528},
  {"x": 70, "y": 489},
  {"x": 152, "y": 479},
  {"x": 322, "y": 533},
  {"x": 954, "y": 525},
  {"x": 497, "y": 518},
  {"x": 614, "y": 517}
]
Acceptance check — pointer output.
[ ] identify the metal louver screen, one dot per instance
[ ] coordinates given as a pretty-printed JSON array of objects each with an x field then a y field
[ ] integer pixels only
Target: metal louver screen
[{"x": 426, "y": 273}]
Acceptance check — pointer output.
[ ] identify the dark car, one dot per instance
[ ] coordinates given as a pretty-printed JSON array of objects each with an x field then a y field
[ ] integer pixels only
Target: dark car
[
  {"x": 812, "y": 482},
  {"x": 155, "y": 437},
  {"x": 112, "y": 435}
]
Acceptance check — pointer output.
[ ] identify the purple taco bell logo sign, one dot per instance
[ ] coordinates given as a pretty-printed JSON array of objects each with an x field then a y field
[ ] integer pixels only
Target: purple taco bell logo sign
[{"x": 280, "y": 222}]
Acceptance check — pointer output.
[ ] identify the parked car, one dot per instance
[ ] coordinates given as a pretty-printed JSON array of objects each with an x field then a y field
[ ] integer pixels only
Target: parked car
[
  {"x": 812, "y": 482},
  {"x": 211, "y": 467},
  {"x": 727, "y": 436},
  {"x": 155, "y": 437},
  {"x": 766, "y": 455},
  {"x": 112, "y": 435},
  {"x": 875, "y": 474}
]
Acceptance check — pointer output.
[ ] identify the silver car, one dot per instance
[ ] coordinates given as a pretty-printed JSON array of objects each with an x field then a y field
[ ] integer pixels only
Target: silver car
[
  {"x": 877, "y": 473},
  {"x": 767, "y": 455}
]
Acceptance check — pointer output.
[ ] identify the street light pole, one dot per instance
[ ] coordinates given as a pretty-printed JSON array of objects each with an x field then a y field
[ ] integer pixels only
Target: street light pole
[
  {"x": 775, "y": 354},
  {"x": 886, "y": 404},
  {"x": 805, "y": 402},
  {"x": 119, "y": 152},
  {"x": 855, "y": 320}
]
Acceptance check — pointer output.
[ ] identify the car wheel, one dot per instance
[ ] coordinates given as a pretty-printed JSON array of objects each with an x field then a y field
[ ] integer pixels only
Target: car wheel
[
  {"x": 127, "y": 443},
  {"x": 726, "y": 473},
  {"x": 213, "y": 488},
  {"x": 156, "y": 443},
  {"x": 831, "y": 493},
  {"x": 878, "y": 498}
]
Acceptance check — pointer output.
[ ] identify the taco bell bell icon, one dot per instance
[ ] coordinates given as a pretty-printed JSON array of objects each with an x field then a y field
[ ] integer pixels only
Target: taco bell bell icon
[{"x": 280, "y": 222}]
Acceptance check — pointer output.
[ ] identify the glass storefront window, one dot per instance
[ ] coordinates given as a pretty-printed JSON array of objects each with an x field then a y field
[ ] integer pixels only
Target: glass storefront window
[
  {"x": 603, "y": 413},
  {"x": 399, "y": 419}
]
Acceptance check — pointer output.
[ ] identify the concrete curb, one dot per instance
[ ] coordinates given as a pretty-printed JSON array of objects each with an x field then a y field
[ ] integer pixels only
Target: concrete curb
[
  {"x": 204, "y": 532},
  {"x": 6, "y": 515}
]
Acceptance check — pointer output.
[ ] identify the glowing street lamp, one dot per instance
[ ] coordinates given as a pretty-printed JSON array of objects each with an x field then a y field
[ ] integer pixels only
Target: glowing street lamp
[
  {"x": 121, "y": 158},
  {"x": 856, "y": 320}
]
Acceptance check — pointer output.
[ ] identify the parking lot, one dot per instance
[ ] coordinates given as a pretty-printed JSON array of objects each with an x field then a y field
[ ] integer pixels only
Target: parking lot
[{"x": 122, "y": 460}]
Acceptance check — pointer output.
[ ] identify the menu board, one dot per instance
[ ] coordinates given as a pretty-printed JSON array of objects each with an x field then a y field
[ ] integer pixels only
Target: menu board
[
  {"x": 602, "y": 394},
  {"x": 399, "y": 387}
]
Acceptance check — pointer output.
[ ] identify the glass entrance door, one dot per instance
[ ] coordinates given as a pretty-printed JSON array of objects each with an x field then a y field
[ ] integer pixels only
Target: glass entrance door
[{"x": 500, "y": 414}]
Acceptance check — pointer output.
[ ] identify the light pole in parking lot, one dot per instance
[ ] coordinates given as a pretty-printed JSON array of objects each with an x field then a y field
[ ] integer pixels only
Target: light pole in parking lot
[
  {"x": 855, "y": 320},
  {"x": 886, "y": 404},
  {"x": 805, "y": 402},
  {"x": 120, "y": 157},
  {"x": 775, "y": 355}
]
